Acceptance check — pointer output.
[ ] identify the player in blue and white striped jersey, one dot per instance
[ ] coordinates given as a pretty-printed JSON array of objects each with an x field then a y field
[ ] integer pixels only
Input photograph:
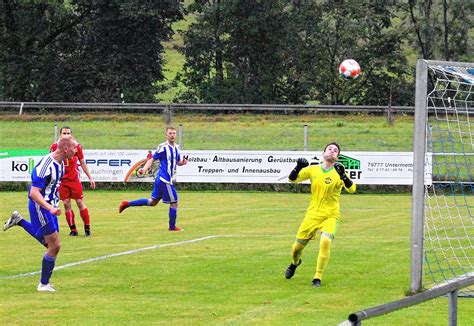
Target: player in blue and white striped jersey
[
  {"x": 43, "y": 206},
  {"x": 168, "y": 154}
]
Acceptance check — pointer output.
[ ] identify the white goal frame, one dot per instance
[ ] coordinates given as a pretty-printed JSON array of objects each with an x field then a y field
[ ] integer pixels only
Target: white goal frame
[{"x": 419, "y": 151}]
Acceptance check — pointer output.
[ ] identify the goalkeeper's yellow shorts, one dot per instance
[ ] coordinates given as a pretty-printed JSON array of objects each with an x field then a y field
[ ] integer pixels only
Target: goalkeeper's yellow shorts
[{"x": 311, "y": 226}]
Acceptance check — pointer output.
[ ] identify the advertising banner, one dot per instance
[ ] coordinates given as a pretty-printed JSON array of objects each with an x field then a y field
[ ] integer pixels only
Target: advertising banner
[{"x": 370, "y": 168}]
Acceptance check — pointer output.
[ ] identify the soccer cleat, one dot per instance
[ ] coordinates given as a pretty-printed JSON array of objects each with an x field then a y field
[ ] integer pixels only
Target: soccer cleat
[
  {"x": 73, "y": 233},
  {"x": 175, "y": 229},
  {"x": 13, "y": 220},
  {"x": 88, "y": 233},
  {"x": 124, "y": 204},
  {"x": 46, "y": 287},
  {"x": 291, "y": 270},
  {"x": 316, "y": 283}
]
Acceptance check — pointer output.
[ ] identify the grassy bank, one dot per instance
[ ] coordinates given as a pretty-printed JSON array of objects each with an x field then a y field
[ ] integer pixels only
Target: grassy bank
[{"x": 355, "y": 132}]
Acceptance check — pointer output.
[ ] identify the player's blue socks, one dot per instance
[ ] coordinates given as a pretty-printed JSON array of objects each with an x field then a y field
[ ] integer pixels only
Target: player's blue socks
[
  {"x": 47, "y": 268},
  {"x": 28, "y": 227},
  {"x": 139, "y": 202},
  {"x": 173, "y": 212}
]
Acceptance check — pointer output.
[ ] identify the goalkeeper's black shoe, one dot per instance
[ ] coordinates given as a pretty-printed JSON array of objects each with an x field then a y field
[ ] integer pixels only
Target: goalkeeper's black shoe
[
  {"x": 317, "y": 283},
  {"x": 291, "y": 270}
]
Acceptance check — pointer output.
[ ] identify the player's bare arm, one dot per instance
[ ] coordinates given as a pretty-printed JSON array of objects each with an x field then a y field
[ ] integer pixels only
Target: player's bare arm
[
  {"x": 147, "y": 165},
  {"x": 86, "y": 171}
]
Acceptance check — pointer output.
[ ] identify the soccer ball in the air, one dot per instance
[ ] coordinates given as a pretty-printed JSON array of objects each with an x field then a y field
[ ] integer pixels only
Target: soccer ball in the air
[{"x": 349, "y": 69}]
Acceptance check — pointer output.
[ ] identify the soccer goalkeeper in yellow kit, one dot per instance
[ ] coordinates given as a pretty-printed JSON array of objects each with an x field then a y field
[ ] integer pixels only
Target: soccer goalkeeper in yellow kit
[{"x": 322, "y": 215}]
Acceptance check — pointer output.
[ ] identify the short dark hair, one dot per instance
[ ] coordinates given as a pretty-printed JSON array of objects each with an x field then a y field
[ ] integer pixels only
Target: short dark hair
[
  {"x": 65, "y": 127},
  {"x": 335, "y": 144}
]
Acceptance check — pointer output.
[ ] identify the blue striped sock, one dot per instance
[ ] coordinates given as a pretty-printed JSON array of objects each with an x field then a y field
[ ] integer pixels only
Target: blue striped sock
[
  {"x": 173, "y": 213},
  {"x": 47, "y": 268},
  {"x": 139, "y": 202}
]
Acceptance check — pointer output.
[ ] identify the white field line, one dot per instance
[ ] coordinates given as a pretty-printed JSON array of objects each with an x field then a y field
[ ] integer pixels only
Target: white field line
[
  {"x": 128, "y": 252},
  {"x": 172, "y": 244}
]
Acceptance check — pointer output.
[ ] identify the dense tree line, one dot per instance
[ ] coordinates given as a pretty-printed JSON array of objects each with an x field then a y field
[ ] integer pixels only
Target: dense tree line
[
  {"x": 236, "y": 51},
  {"x": 289, "y": 51},
  {"x": 82, "y": 50}
]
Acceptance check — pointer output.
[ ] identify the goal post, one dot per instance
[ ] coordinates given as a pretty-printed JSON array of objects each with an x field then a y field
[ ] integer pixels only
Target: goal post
[
  {"x": 442, "y": 233},
  {"x": 419, "y": 149}
]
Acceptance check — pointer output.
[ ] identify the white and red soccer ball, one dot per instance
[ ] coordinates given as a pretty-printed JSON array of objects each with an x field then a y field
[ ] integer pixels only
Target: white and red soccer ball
[{"x": 349, "y": 69}]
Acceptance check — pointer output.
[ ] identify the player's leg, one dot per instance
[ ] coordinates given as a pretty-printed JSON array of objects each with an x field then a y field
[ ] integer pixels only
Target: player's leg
[
  {"x": 305, "y": 233},
  {"x": 323, "y": 257},
  {"x": 65, "y": 193},
  {"x": 77, "y": 194},
  {"x": 171, "y": 197},
  {"x": 84, "y": 212},
  {"x": 70, "y": 217},
  {"x": 328, "y": 231},
  {"x": 30, "y": 227},
  {"x": 49, "y": 261},
  {"x": 48, "y": 230},
  {"x": 17, "y": 219},
  {"x": 138, "y": 202},
  {"x": 172, "y": 216},
  {"x": 296, "y": 252},
  {"x": 152, "y": 201}
]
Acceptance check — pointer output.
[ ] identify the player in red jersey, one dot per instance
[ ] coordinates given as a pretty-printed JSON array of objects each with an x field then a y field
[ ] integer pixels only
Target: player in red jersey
[{"x": 71, "y": 186}]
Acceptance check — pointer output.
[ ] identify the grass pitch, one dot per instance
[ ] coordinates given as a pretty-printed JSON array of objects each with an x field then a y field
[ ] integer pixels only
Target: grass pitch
[{"x": 226, "y": 268}]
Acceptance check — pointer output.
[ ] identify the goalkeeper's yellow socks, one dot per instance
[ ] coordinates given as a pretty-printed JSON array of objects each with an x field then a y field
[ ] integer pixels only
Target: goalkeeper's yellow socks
[
  {"x": 296, "y": 252},
  {"x": 323, "y": 256}
]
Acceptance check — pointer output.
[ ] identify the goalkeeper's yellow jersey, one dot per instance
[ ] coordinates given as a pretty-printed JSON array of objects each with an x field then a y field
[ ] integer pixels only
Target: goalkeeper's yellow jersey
[{"x": 326, "y": 189}]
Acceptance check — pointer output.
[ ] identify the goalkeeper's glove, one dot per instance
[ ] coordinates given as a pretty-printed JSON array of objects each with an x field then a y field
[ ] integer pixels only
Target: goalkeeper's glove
[
  {"x": 342, "y": 174},
  {"x": 300, "y": 164}
]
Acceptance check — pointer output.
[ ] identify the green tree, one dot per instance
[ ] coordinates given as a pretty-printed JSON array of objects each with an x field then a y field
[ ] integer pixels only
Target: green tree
[
  {"x": 27, "y": 31},
  {"x": 288, "y": 52},
  {"x": 232, "y": 52},
  {"x": 328, "y": 32},
  {"x": 439, "y": 30},
  {"x": 83, "y": 50}
]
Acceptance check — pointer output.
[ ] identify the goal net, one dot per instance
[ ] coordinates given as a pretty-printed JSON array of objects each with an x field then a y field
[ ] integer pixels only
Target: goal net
[{"x": 447, "y": 208}]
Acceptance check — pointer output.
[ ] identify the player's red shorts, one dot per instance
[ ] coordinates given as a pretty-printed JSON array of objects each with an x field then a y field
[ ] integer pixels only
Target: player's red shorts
[{"x": 70, "y": 190}]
